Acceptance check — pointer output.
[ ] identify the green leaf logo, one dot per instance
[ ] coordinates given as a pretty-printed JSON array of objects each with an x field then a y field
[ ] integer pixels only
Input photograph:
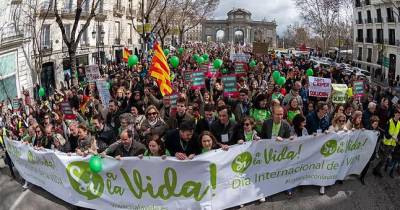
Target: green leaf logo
[
  {"x": 242, "y": 162},
  {"x": 329, "y": 148},
  {"x": 83, "y": 181}
]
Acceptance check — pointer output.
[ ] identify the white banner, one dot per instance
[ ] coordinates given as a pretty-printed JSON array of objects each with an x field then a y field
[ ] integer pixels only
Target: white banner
[
  {"x": 319, "y": 87},
  {"x": 214, "y": 180}
]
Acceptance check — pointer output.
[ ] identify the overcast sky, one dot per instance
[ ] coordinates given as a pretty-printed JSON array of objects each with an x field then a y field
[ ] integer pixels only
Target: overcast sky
[{"x": 283, "y": 11}]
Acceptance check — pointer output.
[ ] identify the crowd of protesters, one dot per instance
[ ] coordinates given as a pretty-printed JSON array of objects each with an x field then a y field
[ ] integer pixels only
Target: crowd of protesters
[{"x": 140, "y": 122}]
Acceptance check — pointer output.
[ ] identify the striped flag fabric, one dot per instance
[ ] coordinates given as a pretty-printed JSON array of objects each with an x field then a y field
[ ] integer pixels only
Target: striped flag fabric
[
  {"x": 126, "y": 54},
  {"x": 159, "y": 69}
]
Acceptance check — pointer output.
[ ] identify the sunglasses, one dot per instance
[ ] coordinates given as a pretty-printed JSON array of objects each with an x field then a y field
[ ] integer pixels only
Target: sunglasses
[
  {"x": 342, "y": 121},
  {"x": 38, "y": 131},
  {"x": 152, "y": 113},
  {"x": 247, "y": 124}
]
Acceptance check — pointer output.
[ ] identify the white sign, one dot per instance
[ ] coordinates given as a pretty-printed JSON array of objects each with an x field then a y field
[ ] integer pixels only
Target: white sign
[
  {"x": 104, "y": 92},
  {"x": 92, "y": 73},
  {"x": 245, "y": 173},
  {"x": 319, "y": 87},
  {"x": 239, "y": 57}
]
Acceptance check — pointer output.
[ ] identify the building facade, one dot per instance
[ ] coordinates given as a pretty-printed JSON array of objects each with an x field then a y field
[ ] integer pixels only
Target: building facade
[
  {"x": 103, "y": 41},
  {"x": 239, "y": 28},
  {"x": 194, "y": 34},
  {"x": 377, "y": 39}
]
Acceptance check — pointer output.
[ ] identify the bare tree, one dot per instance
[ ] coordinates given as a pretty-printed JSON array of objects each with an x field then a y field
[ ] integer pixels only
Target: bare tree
[
  {"x": 149, "y": 16},
  {"x": 320, "y": 15},
  {"x": 296, "y": 35},
  {"x": 167, "y": 21},
  {"x": 72, "y": 40},
  {"x": 25, "y": 22},
  {"x": 191, "y": 12}
]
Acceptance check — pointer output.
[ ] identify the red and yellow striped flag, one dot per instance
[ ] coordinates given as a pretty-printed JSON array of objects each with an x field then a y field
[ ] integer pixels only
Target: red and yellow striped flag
[
  {"x": 126, "y": 54},
  {"x": 159, "y": 69}
]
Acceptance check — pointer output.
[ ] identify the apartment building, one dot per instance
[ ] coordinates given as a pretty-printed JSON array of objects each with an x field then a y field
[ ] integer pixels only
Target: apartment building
[
  {"x": 194, "y": 34},
  {"x": 377, "y": 38},
  {"x": 103, "y": 41}
]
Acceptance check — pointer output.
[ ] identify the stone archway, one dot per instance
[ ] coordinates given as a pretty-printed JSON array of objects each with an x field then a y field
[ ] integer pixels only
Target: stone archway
[
  {"x": 220, "y": 35},
  {"x": 238, "y": 36}
]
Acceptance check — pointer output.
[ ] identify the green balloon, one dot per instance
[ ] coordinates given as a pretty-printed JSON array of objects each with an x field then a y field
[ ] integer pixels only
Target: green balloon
[
  {"x": 196, "y": 57},
  {"x": 174, "y": 61},
  {"x": 205, "y": 56},
  {"x": 132, "y": 60},
  {"x": 180, "y": 50},
  {"x": 276, "y": 75},
  {"x": 108, "y": 86},
  {"x": 217, "y": 63},
  {"x": 309, "y": 72},
  {"x": 166, "y": 52},
  {"x": 252, "y": 63},
  {"x": 41, "y": 92},
  {"x": 281, "y": 81},
  {"x": 200, "y": 60},
  {"x": 224, "y": 71},
  {"x": 95, "y": 164}
]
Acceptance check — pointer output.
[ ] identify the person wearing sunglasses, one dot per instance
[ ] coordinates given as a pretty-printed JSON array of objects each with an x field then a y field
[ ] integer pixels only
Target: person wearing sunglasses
[
  {"x": 338, "y": 123},
  {"x": 153, "y": 124},
  {"x": 245, "y": 131}
]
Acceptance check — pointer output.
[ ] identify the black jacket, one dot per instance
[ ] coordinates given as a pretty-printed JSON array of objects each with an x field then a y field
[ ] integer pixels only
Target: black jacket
[
  {"x": 174, "y": 144},
  {"x": 117, "y": 148},
  {"x": 218, "y": 129},
  {"x": 266, "y": 133}
]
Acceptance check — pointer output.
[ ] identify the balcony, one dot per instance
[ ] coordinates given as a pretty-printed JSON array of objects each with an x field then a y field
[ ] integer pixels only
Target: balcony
[
  {"x": 101, "y": 15},
  {"x": 13, "y": 39},
  {"x": 392, "y": 42},
  {"x": 46, "y": 12},
  {"x": 14, "y": 2},
  {"x": 378, "y": 20},
  {"x": 46, "y": 48},
  {"x": 369, "y": 59},
  {"x": 118, "y": 10},
  {"x": 359, "y": 21},
  {"x": 368, "y": 20},
  {"x": 117, "y": 41},
  {"x": 85, "y": 13},
  {"x": 130, "y": 13},
  {"x": 379, "y": 41},
  {"x": 390, "y": 19},
  {"x": 68, "y": 13}
]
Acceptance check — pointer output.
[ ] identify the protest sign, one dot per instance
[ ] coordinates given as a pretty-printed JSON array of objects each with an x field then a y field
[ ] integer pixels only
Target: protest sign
[
  {"x": 239, "y": 57},
  {"x": 198, "y": 80},
  {"x": 16, "y": 104},
  {"x": 188, "y": 76},
  {"x": 67, "y": 111},
  {"x": 358, "y": 88},
  {"x": 245, "y": 172},
  {"x": 240, "y": 69},
  {"x": 319, "y": 87},
  {"x": 104, "y": 93},
  {"x": 230, "y": 86},
  {"x": 92, "y": 73},
  {"x": 260, "y": 48},
  {"x": 339, "y": 94}
]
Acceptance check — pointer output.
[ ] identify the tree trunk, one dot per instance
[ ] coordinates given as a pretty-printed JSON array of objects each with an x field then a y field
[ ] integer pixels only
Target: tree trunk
[
  {"x": 72, "y": 62},
  {"x": 181, "y": 33}
]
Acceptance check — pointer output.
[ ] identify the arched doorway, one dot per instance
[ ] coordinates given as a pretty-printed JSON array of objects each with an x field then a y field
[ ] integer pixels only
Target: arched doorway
[
  {"x": 220, "y": 35},
  {"x": 239, "y": 36}
]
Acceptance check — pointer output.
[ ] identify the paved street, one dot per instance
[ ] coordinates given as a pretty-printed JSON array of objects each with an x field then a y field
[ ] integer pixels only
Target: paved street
[{"x": 377, "y": 194}]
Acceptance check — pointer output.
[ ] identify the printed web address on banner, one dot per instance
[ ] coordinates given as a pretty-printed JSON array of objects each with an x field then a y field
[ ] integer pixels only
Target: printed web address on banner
[{"x": 138, "y": 207}]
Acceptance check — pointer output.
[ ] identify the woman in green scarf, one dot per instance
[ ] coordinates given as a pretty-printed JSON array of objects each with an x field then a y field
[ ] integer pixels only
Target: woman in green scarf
[{"x": 292, "y": 109}]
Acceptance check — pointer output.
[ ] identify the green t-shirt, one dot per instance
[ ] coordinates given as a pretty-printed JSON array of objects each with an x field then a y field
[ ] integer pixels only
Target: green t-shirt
[
  {"x": 249, "y": 136},
  {"x": 275, "y": 129},
  {"x": 292, "y": 114},
  {"x": 147, "y": 153}
]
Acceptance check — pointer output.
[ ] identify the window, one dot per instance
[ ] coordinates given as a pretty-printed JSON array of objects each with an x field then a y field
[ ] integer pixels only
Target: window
[
  {"x": 390, "y": 17},
  {"x": 68, "y": 5},
  {"x": 84, "y": 38},
  {"x": 100, "y": 6},
  {"x": 369, "y": 19},
  {"x": 359, "y": 54},
  {"x": 130, "y": 33},
  {"x": 378, "y": 16},
  {"x": 369, "y": 36},
  {"x": 367, "y": 2},
  {"x": 85, "y": 7},
  {"x": 380, "y": 58},
  {"x": 392, "y": 37},
  {"x": 379, "y": 36},
  {"x": 8, "y": 85},
  {"x": 358, "y": 3},
  {"x": 46, "y": 36},
  {"x": 359, "y": 18},
  {"x": 117, "y": 31},
  {"x": 369, "y": 57},
  {"x": 360, "y": 35}
]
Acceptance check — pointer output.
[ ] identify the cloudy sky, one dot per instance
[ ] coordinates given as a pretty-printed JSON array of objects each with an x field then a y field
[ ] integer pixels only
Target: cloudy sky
[{"x": 283, "y": 11}]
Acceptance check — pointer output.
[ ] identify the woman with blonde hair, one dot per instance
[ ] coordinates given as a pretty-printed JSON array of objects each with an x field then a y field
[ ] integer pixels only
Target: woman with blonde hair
[
  {"x": 338, "y": 122},
  {"x": 356, "y": 121},
  {"x": 153, "y": 124}
]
